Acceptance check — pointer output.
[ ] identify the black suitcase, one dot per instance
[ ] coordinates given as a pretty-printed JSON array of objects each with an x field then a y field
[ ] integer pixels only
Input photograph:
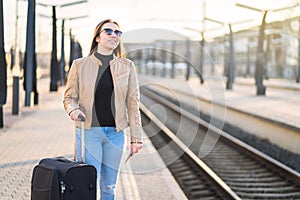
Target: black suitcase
[{"x": 63, "y": 179}]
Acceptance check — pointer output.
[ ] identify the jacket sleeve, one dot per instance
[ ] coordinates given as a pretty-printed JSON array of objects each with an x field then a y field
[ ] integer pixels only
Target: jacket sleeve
[
  {"x": 71, "y": 95},
  {"x": 133, "y": 100}
]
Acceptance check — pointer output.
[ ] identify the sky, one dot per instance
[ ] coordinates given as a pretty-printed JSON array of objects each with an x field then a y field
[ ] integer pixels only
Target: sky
[{"x": 155, "y": 17}]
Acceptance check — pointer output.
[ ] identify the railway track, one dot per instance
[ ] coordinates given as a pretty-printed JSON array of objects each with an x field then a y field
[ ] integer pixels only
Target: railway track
[{"x": 209, "y": 163}]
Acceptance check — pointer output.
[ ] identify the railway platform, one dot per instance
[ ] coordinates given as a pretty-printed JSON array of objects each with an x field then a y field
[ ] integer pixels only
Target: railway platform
[
  {"x": 46, "y": 131},
  {"x": 241, "y": 107}
]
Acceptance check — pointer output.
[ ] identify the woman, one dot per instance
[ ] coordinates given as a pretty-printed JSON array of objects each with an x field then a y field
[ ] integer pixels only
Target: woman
[{"x": 103, "y": 88}]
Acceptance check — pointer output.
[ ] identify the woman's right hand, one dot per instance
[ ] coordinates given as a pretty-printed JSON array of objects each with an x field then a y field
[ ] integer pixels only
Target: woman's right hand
[{"x": 74, "y": 115}]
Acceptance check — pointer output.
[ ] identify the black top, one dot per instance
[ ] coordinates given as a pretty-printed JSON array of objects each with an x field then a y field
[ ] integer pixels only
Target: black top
[{"x": 104, "y": 108}]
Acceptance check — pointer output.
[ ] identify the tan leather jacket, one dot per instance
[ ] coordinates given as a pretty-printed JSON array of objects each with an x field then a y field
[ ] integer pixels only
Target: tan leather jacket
[{"x": 80, "y": 87}]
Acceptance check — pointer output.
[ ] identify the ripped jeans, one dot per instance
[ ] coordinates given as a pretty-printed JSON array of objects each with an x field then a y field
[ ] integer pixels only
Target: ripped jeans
[{"x": 103, "y": 149}]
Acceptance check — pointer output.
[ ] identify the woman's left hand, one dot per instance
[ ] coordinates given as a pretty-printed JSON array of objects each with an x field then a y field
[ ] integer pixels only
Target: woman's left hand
[{"x": 136, "y": 147}]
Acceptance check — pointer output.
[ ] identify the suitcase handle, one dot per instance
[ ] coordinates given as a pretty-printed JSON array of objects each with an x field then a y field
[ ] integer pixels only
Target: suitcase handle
[
  {"x": 82, "y": 119},
  {"x": 63, "y": 159}
]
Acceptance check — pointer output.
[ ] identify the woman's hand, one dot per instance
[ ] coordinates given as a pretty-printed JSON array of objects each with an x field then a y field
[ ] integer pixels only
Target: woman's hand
[
  {"x": 74, "y": 115},
  {"x": 135, "y": 147}
]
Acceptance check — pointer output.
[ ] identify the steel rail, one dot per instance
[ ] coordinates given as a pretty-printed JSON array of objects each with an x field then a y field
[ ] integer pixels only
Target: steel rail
[{"x": 195, "y": 158}]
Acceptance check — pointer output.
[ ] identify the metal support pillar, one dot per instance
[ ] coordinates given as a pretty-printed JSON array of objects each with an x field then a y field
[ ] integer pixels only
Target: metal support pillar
[
  {"x": 62, "y": 62},
  {"x": 259, "y": 68},
  {"x": 230, "y": 76},
  {"x": 139, "y": 60},
  {"x": 187, "y": 60},
  {"x": 173, "y": 59},
  {"x": 54, "y": 72},
  {"x": 15, "y": 96},
  {"x": 298, "y": 77},
  {"x": 16, "y": 86},
  {"x": 1, "y": 117},
  {"x": 247, "y": 73},
  {"x": 15, "y": 67},
  {"x": 3, "y": 77},
  {"x": 164, "y": 60},
  {"x": 202, "y": 43},
  {"x": 200, "y": 72},
  {"x": 71, "y": 49},
  {"x": 30, "y": 53},
  {"x": 153, "y": 58},
  {"x": 212, "y": 56},
  {"x": 147, "y": 58},
  {"x": 13, "y": 53}
]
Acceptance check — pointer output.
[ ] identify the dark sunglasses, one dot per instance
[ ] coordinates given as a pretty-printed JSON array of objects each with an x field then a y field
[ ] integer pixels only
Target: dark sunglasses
[{"x": 109, "y": 31}]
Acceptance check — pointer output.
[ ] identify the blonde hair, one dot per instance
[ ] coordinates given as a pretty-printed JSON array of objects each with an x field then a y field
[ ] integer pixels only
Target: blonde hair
[{"x": 119, "y": 51}]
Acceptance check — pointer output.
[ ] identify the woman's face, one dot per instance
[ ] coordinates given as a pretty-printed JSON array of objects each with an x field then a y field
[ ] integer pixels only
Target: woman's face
[{"x": 108, "y": 41}]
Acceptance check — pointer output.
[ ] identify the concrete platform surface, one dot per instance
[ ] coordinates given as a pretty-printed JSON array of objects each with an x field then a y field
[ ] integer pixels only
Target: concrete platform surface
[{"x": 46, "y": 131}]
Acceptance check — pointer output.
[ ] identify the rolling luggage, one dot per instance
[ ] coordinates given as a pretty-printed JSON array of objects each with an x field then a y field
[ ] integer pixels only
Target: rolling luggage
[{"x": 63, "y": 179}]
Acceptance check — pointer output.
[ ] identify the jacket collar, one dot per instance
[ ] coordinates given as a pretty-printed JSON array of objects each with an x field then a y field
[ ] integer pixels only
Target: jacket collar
[{"x": 97, "y": 61}]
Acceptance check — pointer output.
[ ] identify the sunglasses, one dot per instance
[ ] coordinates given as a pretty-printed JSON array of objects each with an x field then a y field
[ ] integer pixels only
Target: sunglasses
[{"x": 109, "y": 31}]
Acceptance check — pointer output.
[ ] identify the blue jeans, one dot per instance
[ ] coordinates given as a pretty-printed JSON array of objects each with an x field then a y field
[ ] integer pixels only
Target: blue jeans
[{"x": 103, "y": 149}]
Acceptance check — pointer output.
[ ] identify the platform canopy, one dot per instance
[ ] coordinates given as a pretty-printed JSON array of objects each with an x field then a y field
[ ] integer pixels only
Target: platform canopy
[{"x": 185, "y": 17}]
